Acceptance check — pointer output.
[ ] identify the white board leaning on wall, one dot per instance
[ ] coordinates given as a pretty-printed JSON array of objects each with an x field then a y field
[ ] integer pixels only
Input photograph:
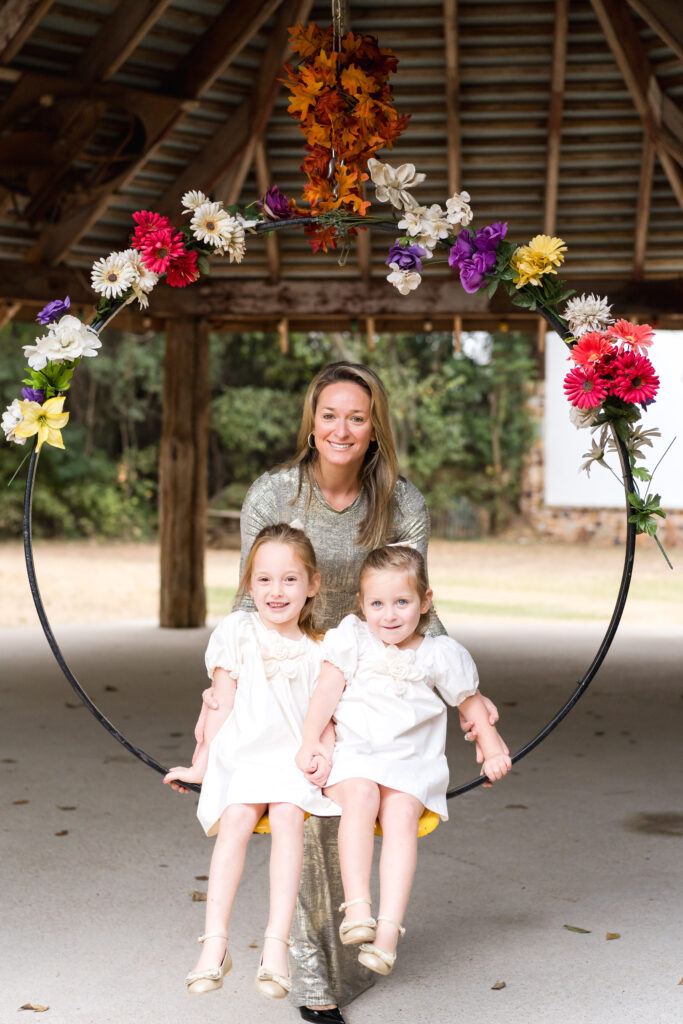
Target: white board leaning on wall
[{"x": 565, "y": 484}]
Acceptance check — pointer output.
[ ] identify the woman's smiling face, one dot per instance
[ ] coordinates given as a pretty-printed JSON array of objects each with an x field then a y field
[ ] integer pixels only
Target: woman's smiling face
[{"x": 343, "y": 424}]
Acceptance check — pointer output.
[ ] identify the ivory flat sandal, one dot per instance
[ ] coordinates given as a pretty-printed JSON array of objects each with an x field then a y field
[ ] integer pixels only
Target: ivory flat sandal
[
  {"x": 275, "y": 986},
  {"x": 376, "y": 959},
  {"x": 351, "y": 933},
  {"x": 199, "y": 982}
]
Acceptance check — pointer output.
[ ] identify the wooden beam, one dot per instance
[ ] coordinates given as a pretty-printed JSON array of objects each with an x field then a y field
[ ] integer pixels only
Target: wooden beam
[
  {"x": 8, "y": 311},
  {"x": 18, "y": 18},
  {"x": 452, "y": 83},
  {"x": 119, "y": 35},
  {"x": 647, "y": 167},
  {"x": 631, "y": 57},
  {"x": 370, "y": 332},
  {"x": 364, "y": 251},
  {"x": 555, "y": 115},
  {"x": 264, "y": 182},
  {"x": 665, "y": 17},
  {"x": 226, "y": 159},
  {"x": 183, "y": 474}
]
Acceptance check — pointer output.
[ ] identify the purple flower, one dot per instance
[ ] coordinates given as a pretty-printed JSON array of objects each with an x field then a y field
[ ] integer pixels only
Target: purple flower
[
  {"x": 462, "y": 250},
  {"x": 488, "y": 238},
  {"x": 473, "y": 270},
  {"x": 53, "y": 310},
  {"x": 275, "y": 205},
  {"x": 409, "y": 258},
  {"x": 33, "y": 395}
]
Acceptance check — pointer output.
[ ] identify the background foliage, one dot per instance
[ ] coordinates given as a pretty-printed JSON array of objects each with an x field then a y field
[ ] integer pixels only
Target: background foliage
[{"x": 461, "y": 424}]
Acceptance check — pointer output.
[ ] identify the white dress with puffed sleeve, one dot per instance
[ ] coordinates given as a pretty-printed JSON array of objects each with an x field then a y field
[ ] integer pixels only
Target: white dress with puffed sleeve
[
  {"x": 390, "y": 722},
  {"x": 251, "y": 758}
]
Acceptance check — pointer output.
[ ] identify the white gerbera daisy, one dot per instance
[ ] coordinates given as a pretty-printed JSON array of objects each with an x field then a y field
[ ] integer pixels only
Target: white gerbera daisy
[
  {"x": 112, "y": 276},
  {"x": 232, "y": 239},
  {"x": 404, "y": 280},
  {"x": 210, "y": 223},
  {"x": 588, "y": 313},
  {"x": 191, "y": 200},
  {"x": 458, "y": 209},
  {"x": 11, "y": 418}
]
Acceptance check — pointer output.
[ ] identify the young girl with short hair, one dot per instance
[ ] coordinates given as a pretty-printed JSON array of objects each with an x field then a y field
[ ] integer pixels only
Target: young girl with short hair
[
  {"x": 378, "y": 682},
  {"x": 264, "y": 665}
]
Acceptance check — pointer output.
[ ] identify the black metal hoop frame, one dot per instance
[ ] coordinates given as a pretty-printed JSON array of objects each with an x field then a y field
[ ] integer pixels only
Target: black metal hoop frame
[{"x": 581, "y": 687}]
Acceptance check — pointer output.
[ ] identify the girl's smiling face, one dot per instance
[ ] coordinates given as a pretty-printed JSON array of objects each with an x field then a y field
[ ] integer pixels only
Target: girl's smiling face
[
  {"x": 280, "y": 586},
  {"x": 343, "y": 424},
  {"x": 392, "y": 606}
]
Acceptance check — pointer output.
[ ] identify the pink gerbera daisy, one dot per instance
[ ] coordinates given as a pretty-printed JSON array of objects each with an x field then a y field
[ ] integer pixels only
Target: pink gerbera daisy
[
  {"x": 584, "y": 388},
  {"x": 147, "y": 222},
  {"x": 636, "y": 335},
  {"x": 182, "y": 270},
  {"x": 592, "y": 347},
  {"x": 635, "y": 378},
  {"x": 160, "y": 247}
]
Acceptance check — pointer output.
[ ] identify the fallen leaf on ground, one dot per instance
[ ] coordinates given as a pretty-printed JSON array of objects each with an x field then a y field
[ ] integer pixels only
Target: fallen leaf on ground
[
  {"x": 514, "y": 807},
  {"x": 497, "y": 986},
  {"x": 201, "y": 878},
  {"x": 198, "y": 897},
  {"x": 66, "y": 808},
  {"x": 62, "y": 832},
  {"x": 17, "y": 802},
  {"x": 8, "y": 760},
  {"x": 255, "y": 945},
  {"x": 111, "y": 689},
  {"x": 573, "y": 928},
  {"x": 175, "y": 734},
  {"x": 613, "y": 935},
  {"x": 36, "y": 1007}
]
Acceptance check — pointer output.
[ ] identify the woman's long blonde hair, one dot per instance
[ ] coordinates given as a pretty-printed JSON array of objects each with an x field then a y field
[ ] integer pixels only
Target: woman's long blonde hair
[
  {"x": 283, "y": 533},
  {"x": 379, "y": 472}
]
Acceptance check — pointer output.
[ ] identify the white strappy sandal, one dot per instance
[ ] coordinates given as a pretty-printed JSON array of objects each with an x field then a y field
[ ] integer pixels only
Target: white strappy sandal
[
  {"x": 275, "y": 986},
  {"x": 353, "y": 932},
  {"x": 376, "y": 959},
  {"x": 198, "y": 982}
]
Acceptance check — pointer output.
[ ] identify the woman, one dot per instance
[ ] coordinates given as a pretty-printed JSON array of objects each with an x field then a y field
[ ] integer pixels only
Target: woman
[{"x": 343, "y": 489}]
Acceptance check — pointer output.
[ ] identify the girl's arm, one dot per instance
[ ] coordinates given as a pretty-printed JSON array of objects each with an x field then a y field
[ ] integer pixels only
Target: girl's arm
[
  {"x": 318, "y": 717},
  {"x": 321, "y": 764},
  {"x": 224, "y": 687},
  {"x": 495, "y": 756}
]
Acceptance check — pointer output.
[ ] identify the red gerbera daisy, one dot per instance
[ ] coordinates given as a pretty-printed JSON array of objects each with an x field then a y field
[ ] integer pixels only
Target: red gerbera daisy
[
  {"x": 591, "y": 347},
  {"x": 160, "y": 247},
  {"x": 635, "y": 378},
  {"x": 636, "y": 335},
  {"x": 182, "y": 270},
  {"x": 147, "y": 223},
  {"x": 584, "y": 388}
]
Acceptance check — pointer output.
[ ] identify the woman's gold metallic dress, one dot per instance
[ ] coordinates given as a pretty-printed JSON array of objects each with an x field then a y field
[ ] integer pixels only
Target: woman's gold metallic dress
[{"x": 324, "y": 970}]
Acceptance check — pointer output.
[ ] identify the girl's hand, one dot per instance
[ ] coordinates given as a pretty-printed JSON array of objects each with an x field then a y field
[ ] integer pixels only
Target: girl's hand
[
  {"x": 470, "y": 730},
  {"x": 320, "y": 771},
  {"x": 180, "y": 774},
  {"x": 496, "y": 766},
  {"x": 306, "y": 757},
  {"x": 208, "y": 702}
]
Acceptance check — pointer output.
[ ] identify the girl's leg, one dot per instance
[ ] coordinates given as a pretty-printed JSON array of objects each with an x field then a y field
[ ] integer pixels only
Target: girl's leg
[
  {"x": 286, "y": 855},
  {"x": 227, "y": 863},
  {"x": 359, "y": 801},
  {"x": 399, "y": 814}
]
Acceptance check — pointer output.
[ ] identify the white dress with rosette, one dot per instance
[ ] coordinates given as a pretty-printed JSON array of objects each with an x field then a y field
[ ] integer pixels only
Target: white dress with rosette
[
  {"x": 390, "y": 722},
  {"x": 251, "y": 759}
]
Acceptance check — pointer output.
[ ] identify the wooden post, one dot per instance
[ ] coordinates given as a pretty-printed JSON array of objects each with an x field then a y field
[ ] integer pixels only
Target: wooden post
[{"x": 183, "y": 469}]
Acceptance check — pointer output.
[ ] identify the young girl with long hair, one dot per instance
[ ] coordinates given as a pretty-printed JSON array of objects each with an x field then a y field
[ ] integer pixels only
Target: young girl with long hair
[
  {"x": 378, "y": 680},
  {"x": 264, "y": 665}
]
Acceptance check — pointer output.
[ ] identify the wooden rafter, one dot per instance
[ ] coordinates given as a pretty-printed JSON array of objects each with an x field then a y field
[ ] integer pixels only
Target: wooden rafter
[
  {"x": 647, "y": 167},
  {"x": 119, "y": 35},
  {"x": 665, "y": 17},
  {"x": 264, "y": 182},
  {"x": 631, "y": 57},
  {"x": 450, "y": 28},
  {"x": 226, "y": 159},
  {"x": 8, "y": 311},
  {"x": 18, "y": 18},
  {"x": 555, "y": 115},
  {"x": 364, "y": 253}
]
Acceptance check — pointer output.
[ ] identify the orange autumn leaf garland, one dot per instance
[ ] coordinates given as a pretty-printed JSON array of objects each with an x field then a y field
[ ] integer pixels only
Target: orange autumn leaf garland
[{"x": 344, "y": 103}]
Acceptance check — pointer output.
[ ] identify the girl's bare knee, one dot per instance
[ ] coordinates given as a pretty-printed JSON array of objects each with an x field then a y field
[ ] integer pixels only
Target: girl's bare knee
[
  {"x": 240, "y": 819},
  {"x": 287, "y": 816},
  {"x": 363, "y": 794}
]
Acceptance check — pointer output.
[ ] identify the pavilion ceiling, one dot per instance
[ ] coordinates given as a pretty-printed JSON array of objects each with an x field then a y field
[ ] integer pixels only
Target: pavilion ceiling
[{"x": 559, "y": 116}]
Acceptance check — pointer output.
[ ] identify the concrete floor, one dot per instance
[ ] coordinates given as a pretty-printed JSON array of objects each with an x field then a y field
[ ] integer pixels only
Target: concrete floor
[{"x": 99, "y": 860}]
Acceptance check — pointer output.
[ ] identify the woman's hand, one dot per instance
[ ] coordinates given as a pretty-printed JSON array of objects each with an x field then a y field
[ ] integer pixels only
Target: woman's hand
[{"x": 179, "y": 774}]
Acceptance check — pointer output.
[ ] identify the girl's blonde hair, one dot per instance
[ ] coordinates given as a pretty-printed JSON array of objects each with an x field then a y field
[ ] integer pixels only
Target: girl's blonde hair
[
  {"x": 283, "y": 533},
  {"x": 400, "y": 558},
  {"x": 379, "y": 472}
]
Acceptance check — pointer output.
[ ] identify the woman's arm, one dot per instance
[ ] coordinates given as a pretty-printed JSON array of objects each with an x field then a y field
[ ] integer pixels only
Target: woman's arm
[
  {"x": 318, "y": 717},
  {"x": 495, "y": 756},
  {"x": 224, "y": 688}
]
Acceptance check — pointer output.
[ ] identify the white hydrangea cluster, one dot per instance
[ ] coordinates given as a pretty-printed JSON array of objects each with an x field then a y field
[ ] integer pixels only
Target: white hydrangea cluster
[{"x": 66, "y": 340}]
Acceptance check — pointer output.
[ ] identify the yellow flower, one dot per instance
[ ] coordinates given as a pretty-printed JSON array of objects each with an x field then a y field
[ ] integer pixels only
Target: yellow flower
[
  {"x": 539, "y": 257},
  {"x": 45, "y": 420}
]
